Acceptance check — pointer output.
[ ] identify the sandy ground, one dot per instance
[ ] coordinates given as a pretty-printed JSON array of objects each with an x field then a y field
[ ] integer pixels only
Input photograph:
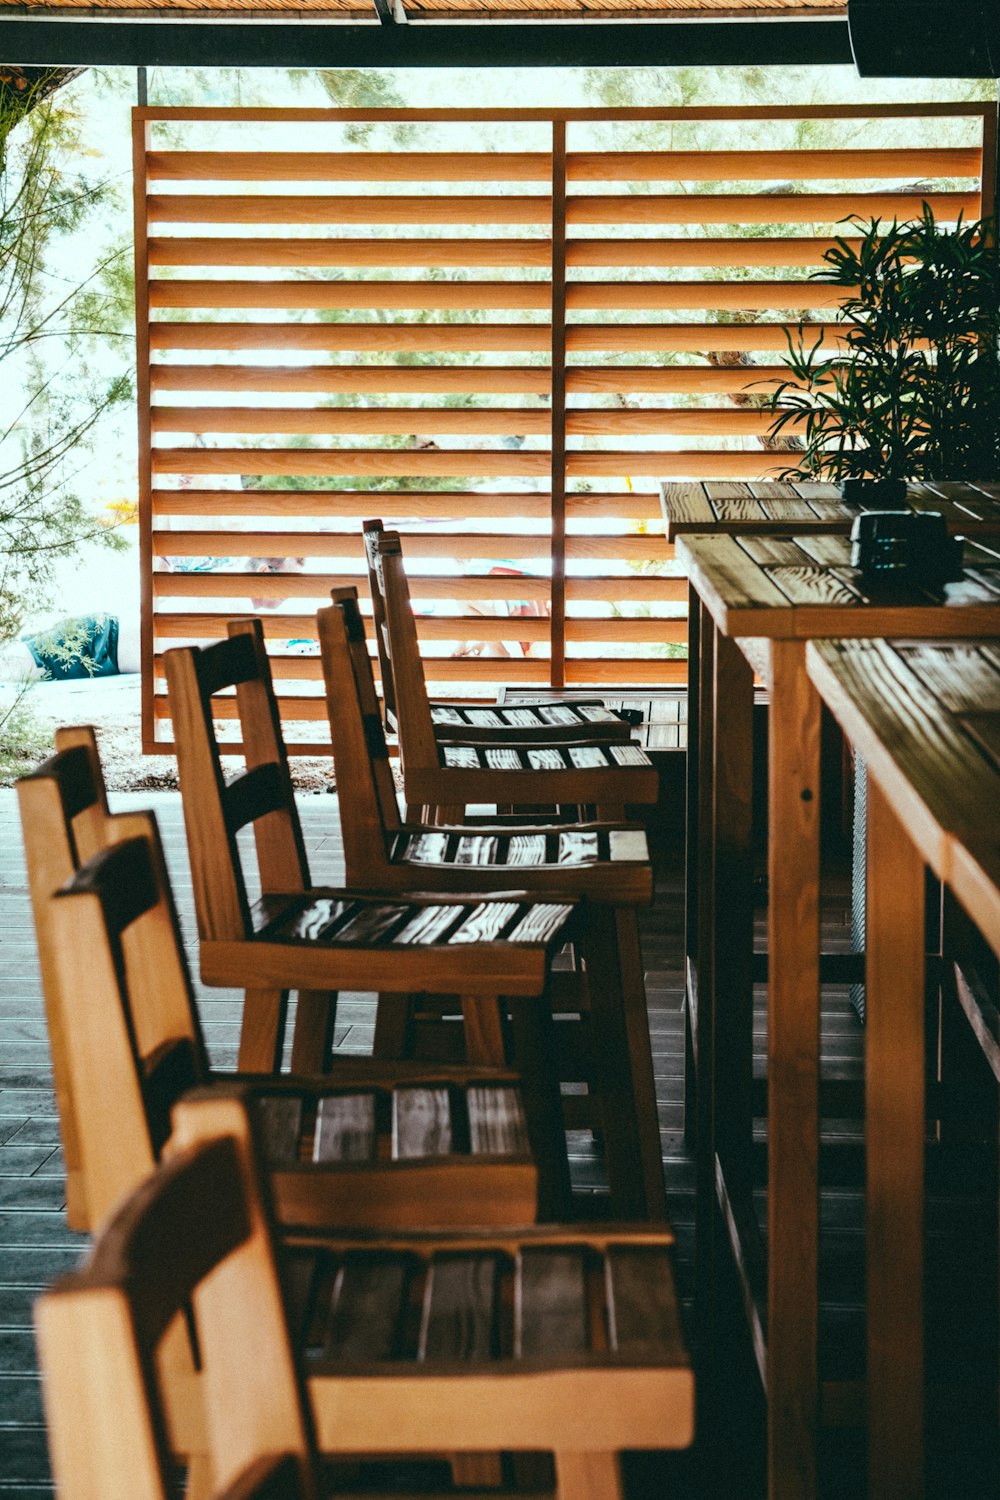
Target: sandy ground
[{"x": 112, "y": 705}]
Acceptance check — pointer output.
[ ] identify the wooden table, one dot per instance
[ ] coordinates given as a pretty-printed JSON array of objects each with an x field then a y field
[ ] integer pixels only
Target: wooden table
[
  {"x": 760, "y": 600},
  {"x": 926, "y": 717},
  {"x": 746, "y": 509}
]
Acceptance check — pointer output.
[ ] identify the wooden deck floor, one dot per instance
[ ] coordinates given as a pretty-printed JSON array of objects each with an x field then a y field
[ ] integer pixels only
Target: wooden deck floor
[{"x": 35, "y": 1245}]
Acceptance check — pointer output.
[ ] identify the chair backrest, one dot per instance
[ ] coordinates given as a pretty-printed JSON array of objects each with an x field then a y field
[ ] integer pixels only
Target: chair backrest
[
  {"x": 369, "y": 812},
  {"x": 372, "y": 531},
  {"x": 65, "y": 820},
  {"x": 194, "y": 1239},
  {"x": 214, "y": 812},
  {"x": 130, "y": 1031},
  {"x": 414, "y": 725}
]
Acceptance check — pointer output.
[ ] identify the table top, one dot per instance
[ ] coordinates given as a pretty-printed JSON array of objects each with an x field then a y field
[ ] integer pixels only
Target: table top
[
  {"x": 745, "y": 509},
  {"x": 802, "y": 587},
  {"x": 926, "y": 718}
]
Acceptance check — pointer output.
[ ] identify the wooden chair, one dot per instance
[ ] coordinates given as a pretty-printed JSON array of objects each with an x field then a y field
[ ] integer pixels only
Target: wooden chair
[
  {"x": 404, "y": 1141},
  {"x": 285, "y": 940},
  {"x": 64, "y": 819},
  {"x": 607, "y": 864},
  {"x": 566, "y": 1341},
  {"x": 107, "y": 1344},
  {"x": 442, "y": 778},
  {"x": 552, "y": 722},
  {"x": 394, "y": 1143}
]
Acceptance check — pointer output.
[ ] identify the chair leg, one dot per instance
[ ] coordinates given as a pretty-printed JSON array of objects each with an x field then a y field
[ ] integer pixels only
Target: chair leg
[
  {"x": 312, "y": 1040},
  {"x": 588, "y": 1476},
  {"x": 624, "y": 1063},
  {"x": 535, "y": 1059},
  {"x": 262, "y": 1035},
  {"x": 393, "y": 1027},
  {"x": 690, "y": 1076},
  {"x": 483, "y": 1026}
]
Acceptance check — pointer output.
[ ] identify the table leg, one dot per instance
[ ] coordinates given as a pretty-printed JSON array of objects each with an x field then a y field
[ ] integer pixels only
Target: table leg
[
  {"x": 693, "y": 770},
  {"x": 700, "y": 994},
  {"x": 731, "y": 1000},
  {"x": 691, "y": 825},
  {"x": 793, "y": 1077},
  {"x": 894, "y": 1146}
]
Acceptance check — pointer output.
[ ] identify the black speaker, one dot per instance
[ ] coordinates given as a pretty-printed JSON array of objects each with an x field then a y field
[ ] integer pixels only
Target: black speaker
[{"x": 925, "y": 38}]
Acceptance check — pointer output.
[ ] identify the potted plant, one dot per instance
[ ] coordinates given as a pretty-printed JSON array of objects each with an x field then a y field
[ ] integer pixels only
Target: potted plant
[{"x": 913, "y": 393}]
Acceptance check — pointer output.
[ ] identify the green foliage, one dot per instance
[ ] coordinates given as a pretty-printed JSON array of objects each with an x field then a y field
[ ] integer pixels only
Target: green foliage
[
  {"x": 24, "y": 739},
  {"x": 917, "y": 395},
  {"x": 50, "y": 325},
  {"x": 363, "y": 88}
]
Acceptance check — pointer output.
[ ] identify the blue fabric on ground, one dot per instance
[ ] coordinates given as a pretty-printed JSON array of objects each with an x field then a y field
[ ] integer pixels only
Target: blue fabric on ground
[{"x": 85, "y": 646}]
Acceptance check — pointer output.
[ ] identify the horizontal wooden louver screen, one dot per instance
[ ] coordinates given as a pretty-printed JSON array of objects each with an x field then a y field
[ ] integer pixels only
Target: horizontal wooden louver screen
[{"x": 498, "y": 330}]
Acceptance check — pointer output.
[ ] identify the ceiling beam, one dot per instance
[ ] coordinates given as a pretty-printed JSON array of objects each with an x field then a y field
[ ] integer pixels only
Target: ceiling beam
[{"x": 308, "y": 43}]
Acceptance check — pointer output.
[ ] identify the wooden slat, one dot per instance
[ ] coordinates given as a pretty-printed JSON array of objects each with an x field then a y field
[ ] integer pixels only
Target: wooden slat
[
  {"x": 368, "y": 1309},
  {"x": 345, "y": 1128},
  {"x": 684, "y": 421},
  {"x": 415, "y": 380},
  {"x": 280, "y": 1118},
  {"x": 643, "y": 1312},
  {"x": 713, "y": 250},
  {"x": 967, "y": 110},
  {"x": 421, "y": 1122},
  {"x": 614, "y": 589},
  {"x": 615, "y": 631},
  {"x": 333, "y": 421},
  {"x": 349, "y": 208},
  {"x": 181, "y": 625},
  {"x": 550, "y": 1304},
  {"x": 344, "y": 462},
  {"x": 357, "y": 296},
  {"x": 367, "y": 338},
  {"x": 497, "y": 1126},
  {"x": 317, "y": 585},
  {"x": 339, "y": 505},
  {"x": 690, "y": 463},
  {"x": 459, "y": 1308},
  {"x": 347, "y": 544},
  {"x": 642, "y": 548},
  {"x": 690, "y": 338},
  {"x": 762, "y": 208},
  {"x": 632, "y": 669},
  {"x": 494, "y": 586},
  {"x": 338, "y": 251},
  {"x": 749, "y": 296},
  {"x": 674, "y": 380},
  {"x": 351, "y": 166},
  {"x": 774, "y": 166}
]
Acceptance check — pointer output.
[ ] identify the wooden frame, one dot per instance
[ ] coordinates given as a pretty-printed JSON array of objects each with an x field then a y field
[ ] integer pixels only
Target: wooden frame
[
  {"x": 602, "y": 1371},
  {"x": 545, "y": 317}
]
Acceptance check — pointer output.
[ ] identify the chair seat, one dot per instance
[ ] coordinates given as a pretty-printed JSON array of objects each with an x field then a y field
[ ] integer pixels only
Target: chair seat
[
  {"x": 447, "y": 1142},
  {"x": 568, "y": 847},
  {"x": 587, "y": 1321},
  {"x": 605, "y": 863},
  {"x": 336, "y": 940},
  {"x": 551, "y": 723},
  {"x": 529, "y": 774}
]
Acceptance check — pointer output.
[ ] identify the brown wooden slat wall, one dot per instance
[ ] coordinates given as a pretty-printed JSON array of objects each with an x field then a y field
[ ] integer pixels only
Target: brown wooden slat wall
[{"x": 521, "y": 334}]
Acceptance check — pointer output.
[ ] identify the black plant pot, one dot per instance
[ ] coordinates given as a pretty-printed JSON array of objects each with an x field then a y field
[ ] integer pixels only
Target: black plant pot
[{"x": 881, "y": 494}]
